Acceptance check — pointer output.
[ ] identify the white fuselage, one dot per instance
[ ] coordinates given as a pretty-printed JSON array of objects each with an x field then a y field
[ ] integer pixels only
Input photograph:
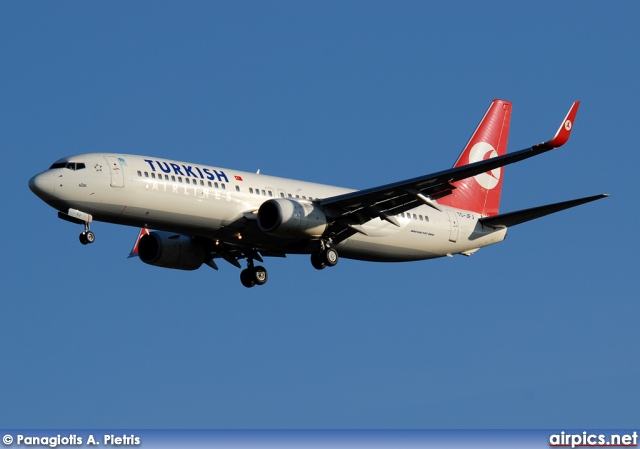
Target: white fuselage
[{"x": 217, "y": 203}]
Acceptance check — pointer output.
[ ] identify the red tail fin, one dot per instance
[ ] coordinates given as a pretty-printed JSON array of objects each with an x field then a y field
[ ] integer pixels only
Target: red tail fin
[{"x": 481, "y": 193}]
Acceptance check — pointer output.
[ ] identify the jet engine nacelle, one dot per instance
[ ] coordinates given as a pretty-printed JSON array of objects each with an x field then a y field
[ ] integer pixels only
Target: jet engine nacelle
[
  {"x": 284, "y": 217},
  {"x": 169, "y": 250}
]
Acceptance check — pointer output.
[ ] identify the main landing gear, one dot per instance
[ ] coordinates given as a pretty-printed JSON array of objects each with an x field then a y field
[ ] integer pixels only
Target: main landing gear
[
  {"x": 328, "y": 257},
  {"x": 257, "y": 275},
  {"x": 251, "y": 275}
]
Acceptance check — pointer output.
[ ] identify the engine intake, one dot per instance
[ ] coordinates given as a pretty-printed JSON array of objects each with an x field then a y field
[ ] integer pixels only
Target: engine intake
[
  {"x": 168, "y": 250},
  {"x": 283, "y": 217}
]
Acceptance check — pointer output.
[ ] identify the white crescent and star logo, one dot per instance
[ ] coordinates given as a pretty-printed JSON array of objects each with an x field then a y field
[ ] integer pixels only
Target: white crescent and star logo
[
  {"x": 482, "y": 151},
  {"x": 567, "y": 125}
]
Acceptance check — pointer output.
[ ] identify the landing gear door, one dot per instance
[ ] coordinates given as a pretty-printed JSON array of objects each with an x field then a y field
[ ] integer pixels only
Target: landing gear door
[
  {"x": 455, "y": 228},
  {"x": 115, "y": 167}
]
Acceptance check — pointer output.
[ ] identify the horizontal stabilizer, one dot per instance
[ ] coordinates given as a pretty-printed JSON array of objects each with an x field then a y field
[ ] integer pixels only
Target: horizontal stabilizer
[{"x": 522, "y": 216}]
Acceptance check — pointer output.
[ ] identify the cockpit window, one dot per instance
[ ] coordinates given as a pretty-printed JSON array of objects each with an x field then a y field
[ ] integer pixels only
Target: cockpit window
[{"x": 70, "y": 165}]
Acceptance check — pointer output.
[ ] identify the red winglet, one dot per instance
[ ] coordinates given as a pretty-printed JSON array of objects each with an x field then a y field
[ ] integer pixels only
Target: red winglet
[
  {"x": 134, "y": 250},
  {"x": 562, "y": 136}
]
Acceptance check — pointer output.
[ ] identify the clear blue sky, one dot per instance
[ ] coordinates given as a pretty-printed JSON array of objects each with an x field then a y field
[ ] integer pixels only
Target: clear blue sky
[{"x": 540, "y": 331}]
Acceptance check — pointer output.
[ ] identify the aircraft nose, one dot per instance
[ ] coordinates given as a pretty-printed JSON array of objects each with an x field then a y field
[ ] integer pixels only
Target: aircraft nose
[{"x": 42, "y": 185}]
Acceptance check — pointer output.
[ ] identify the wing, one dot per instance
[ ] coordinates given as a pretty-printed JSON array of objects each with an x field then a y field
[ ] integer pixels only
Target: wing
[{"x": 384, "y": 202}]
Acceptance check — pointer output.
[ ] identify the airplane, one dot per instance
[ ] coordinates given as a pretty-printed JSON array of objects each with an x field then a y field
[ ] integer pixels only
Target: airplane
[{"x": 201, "y": 213}]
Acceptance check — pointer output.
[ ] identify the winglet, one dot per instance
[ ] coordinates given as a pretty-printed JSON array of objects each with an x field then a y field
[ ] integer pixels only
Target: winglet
[
  {"x": 562, "y": 136},
  {"x": 134, "y": 250}
]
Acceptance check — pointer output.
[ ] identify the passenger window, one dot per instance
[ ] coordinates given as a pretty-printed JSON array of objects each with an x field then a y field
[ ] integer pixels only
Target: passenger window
[
  {"x": 146, "y": 174},
  {"x": 139, "y": 174},
  {"x": 250, "y": 189},
  {"x": 270, "y": 193},
  {"x": 173, "y": 178},
  {"x": 153, "y": 175},
  {"x": 224, "y": 186},
  {"x": 237, "y": 188},
  {"x": 281, "y": 194},
  {"x": 215, "y": 184},
  {"x": 202, "y": 183},
  {"x": 264, "y": 193},
  {"x": 414, "y": 217}
]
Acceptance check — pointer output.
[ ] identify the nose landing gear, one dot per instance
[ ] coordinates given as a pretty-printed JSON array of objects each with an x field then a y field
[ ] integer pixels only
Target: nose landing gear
[
  {"x": 79, "y": 217},
  {"x": 87, "y": 237}
]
